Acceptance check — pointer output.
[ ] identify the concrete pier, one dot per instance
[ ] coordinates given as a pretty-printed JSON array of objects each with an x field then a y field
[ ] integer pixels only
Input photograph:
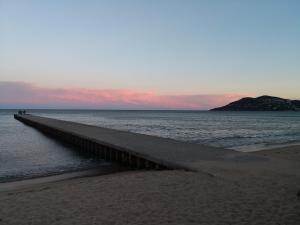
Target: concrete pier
[{"x": 132, "y": 149}]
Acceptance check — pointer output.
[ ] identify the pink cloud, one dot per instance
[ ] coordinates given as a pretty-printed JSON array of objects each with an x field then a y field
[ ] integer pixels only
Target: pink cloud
[{"x": 20, "y": 94}]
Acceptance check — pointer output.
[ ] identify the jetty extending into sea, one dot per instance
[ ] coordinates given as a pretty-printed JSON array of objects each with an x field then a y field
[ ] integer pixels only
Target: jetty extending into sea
[{"x": 132, "y": 149}]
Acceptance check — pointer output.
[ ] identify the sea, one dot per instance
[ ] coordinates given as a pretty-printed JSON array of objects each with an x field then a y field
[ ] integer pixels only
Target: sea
[{"x": 25, "y": 152}]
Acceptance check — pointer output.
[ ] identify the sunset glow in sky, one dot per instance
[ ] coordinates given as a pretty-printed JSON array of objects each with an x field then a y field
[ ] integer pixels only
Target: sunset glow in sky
[{"x": 158, "y": 54}]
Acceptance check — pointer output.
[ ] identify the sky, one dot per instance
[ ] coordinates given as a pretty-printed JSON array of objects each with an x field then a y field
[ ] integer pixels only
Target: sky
[{"x": 138, "y": 54}]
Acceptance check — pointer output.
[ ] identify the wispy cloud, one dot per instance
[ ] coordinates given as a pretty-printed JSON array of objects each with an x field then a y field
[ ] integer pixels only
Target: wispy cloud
[{"x": 26, "y": 95}]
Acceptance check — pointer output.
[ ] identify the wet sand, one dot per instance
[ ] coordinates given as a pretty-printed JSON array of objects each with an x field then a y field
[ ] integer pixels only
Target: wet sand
[
  {"x": 221, "y": 194},
  {"x": 24, "y": 183},
  {"x": 289, "y": 153}
]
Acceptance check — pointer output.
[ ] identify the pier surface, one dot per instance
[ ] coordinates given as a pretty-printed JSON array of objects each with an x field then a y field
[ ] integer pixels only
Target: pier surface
[{"x": 136, "y": 150}]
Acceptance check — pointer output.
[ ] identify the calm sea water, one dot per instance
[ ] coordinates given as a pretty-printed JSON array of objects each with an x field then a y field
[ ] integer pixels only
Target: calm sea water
[{"x": 25, "y": 151}]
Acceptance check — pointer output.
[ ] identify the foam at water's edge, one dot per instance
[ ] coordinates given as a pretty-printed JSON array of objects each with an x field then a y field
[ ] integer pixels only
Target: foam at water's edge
[{"x": 259, "y": 147}]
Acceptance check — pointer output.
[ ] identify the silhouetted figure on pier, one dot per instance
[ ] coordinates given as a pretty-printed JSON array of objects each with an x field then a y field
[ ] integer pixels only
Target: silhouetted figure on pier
[{"x": 22, "y": 112}]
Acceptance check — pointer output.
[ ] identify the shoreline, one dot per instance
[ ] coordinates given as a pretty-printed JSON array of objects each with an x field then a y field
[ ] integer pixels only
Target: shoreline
[
  {"x": 58, "y": 177},
  {"x": 114, "y": 168},
  {"x": 263, "y": 147},
  {"x": 111, "y": 166},
  {"x": 256, "y": 192}
]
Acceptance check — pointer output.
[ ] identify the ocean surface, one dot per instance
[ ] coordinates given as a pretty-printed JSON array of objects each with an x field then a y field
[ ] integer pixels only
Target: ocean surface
[{"x": 26, "y": 152}]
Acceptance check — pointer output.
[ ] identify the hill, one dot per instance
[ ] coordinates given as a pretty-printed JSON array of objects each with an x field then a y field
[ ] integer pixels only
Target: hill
[{"x": 262, "y": 103}]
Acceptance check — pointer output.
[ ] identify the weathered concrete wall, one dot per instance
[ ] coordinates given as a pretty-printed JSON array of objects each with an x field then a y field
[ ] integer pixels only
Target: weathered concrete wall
[
  {"x": 92, "y": 147},
  {"x": 136, "y": 150}
]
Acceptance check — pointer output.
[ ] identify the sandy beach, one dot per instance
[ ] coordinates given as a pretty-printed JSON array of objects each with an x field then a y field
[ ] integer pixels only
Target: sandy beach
[{"x": 225, "y": 195}]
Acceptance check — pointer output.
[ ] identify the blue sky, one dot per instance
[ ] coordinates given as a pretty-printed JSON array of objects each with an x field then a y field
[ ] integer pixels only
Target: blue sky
[{"x": 168, "y": 47}]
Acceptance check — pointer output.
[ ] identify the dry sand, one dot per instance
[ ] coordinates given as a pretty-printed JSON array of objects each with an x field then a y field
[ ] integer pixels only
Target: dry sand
[{"x": 231, "y": 196}]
